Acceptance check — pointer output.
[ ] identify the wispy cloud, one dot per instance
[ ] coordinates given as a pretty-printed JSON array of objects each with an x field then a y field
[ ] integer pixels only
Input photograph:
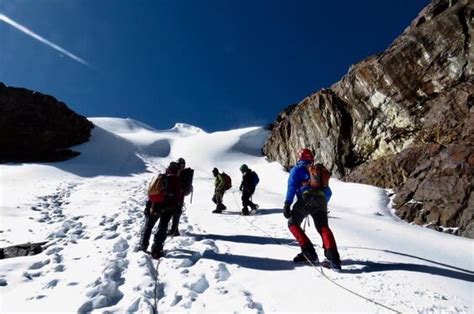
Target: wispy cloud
[{"x": 30, "y": 33}]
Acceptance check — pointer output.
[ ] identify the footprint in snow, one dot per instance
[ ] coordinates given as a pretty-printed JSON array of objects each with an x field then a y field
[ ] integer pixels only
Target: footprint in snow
[
  {"x": 186, "y": 241},
  {"x": 51, "y": 284},
  {"x": 200, "y": 285},
  {"x": 105, "y": 291},
  {"x": 59, "y": 268},
  {"x": 39, "y": 265},
  {"x": 112, "y": 227},
  {"x": 188, "y": 258},
  {"x": 177, "y": 299},
  {"x": 32, "y": 274},
  {"x": 251, "y": 304},
  {"x": 52, "y": 250},
  {"x": 222, "y": 273},
  {"x": 111, "y": 235},
  {"x": 120, "y": 247},
  {"x": 211, "y": 244}
]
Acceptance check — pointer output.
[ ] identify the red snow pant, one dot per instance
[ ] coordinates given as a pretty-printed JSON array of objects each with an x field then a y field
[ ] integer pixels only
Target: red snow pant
[{"x": 316, "y": 206}]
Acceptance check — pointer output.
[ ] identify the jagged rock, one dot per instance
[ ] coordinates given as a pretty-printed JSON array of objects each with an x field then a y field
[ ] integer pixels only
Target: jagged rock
[
  {"x": 320, "y": 116},
  {"x": 432, "y": 184},
  {"x": 402, "y": 119},
  {"x": 37, "y": 127},
  {"x": 21, "y": 250}
]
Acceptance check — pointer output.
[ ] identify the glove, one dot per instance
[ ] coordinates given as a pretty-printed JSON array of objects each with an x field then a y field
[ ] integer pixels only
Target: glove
[{"x": 287, "y": 210}]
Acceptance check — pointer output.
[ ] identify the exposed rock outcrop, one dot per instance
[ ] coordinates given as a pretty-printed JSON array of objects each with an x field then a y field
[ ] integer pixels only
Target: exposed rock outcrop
[
  {"x": 25, "y": 249},
  {"x": 37, "y": 127},
  {"x": 401, "y": 119}
]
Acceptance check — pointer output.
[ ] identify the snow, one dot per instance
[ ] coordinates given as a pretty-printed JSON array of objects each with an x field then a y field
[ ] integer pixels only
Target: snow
[{"x": 89, "y": 210}]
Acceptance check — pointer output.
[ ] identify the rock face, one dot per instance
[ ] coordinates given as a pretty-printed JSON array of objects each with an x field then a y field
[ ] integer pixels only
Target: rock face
[
  {"x": 402, "y": 119},
  {"x": 25, "y": 249},
  {"x": 37, "y": 127}
]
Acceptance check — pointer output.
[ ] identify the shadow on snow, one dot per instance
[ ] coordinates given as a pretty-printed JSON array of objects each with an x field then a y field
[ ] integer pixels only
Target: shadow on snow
[
  {"x": 369, "y": 267},
  {"x": 409, "y": 255},
  {"x": 253, "y": 262},
  {"x": 243, "y": 239}
]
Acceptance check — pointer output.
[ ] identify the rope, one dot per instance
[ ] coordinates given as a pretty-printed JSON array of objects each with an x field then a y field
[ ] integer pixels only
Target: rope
[
  {"x": 321, "y": 271},
  {"x": 235, "y": 200},
  {"x": 155, "y": 295}
]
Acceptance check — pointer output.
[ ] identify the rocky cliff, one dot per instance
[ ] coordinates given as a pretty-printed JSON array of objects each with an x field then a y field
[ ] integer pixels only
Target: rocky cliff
[
  {"x": 402, "y": 119},
  {"x": 37, "y": 127}
]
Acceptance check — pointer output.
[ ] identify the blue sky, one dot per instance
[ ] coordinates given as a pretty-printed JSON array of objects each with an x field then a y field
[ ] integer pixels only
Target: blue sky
[{"x": 215, "y": 64}]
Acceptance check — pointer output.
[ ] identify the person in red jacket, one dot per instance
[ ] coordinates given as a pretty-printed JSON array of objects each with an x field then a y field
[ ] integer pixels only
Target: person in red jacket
[
  {"x": 313, "y": 202},
  {"x": 162, "y": 210}
]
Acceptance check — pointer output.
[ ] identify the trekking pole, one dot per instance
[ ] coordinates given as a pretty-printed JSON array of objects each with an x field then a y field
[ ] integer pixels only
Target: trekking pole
[{"x": 191, "y": 199}]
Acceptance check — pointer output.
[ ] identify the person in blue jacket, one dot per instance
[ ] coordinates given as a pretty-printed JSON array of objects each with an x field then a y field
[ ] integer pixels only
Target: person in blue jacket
[{"x": 310, "y": 201}]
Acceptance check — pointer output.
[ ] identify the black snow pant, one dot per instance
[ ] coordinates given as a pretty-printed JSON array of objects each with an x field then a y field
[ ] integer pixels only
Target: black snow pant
[
  {"x": 217, "y": 199},
  {"x": 175, "y": 221},
  {"x": 313, "y": 205},
  {"x": 246, "y": 202},
  {"x": 150, "y": 221}
]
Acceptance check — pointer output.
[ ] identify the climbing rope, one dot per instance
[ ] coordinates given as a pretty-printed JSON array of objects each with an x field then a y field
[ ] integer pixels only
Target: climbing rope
[{"x": 155, "y": 294}]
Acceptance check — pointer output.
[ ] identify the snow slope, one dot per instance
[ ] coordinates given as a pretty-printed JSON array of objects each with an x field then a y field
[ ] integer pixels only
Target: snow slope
[{"x": 89, "y": 209}]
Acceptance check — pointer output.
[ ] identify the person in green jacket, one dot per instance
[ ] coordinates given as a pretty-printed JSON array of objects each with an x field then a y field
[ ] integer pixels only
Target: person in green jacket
[{"x": 219, "y": 190}]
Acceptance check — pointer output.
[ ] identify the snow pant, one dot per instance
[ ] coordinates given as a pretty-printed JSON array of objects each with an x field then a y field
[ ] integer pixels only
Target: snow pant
[
  {"x": 150, "y": 221},
  {"x": 246, "y": 202},
  {"x": 217, "y": 198},
  {"x": 175, "y": 222},
  {"x": 314, "y": 204}
]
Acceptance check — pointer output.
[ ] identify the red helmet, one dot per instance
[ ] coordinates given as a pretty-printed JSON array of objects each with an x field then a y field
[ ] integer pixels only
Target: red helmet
[{"x": 305, "y": 154}]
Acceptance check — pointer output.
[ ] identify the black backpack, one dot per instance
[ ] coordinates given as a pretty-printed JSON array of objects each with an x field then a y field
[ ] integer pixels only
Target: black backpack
[{"x": 186, "y": 176}]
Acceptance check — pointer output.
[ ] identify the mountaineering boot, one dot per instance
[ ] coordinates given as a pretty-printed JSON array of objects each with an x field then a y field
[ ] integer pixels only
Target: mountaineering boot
[
  {"x": 253, "y": 211},
  {"x": 157, "y": 254},
  {"x": 331, "y": 265},
  {"x": 217, "y": 210},
  {"x": 245, "y": 211},
  {"x": 306, "y": 257},
  {"x": 139, "y": 248},
  {"x": 173, "y": 233},
  {"x": 221, "y": 207}
]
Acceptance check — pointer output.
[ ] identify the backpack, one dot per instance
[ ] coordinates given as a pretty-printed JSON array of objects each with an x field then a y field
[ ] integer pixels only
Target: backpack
[
  {"x": 186, "y": 177},
  {"x": 157, "y": 188},
  {"x": 227, "y": 181},
  {"x": 255, "y": 178},
  {"x": 319, "y": 176}
]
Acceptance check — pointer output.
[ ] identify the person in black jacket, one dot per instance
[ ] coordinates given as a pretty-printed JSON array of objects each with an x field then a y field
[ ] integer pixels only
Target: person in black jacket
[
  {"x": 186, "y": 179},
  {"x": 249, "y": 182}
]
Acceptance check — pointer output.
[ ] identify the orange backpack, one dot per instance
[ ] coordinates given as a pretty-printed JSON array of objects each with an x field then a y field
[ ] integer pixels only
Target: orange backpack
[
  {"x": 157, "y": 188},
  {"x": 319, "y": 176}
]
